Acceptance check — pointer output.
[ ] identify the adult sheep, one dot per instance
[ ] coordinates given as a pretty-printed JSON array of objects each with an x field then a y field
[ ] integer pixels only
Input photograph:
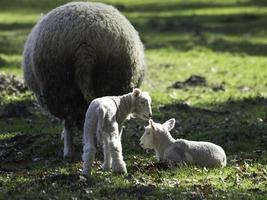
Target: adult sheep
[{"x": 77, "y": 52}]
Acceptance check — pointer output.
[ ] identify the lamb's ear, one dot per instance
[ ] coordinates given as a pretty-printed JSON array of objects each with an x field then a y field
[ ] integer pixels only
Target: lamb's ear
[
  {"x": 151, "y": 123},
  {"x": 169, "y": 124},
  {"x": 136, "y": 92}
]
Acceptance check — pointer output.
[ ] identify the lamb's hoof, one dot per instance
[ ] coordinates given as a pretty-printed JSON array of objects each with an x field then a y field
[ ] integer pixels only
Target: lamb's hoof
[
  {"x": 120, "y": 169},
  {"x": 105, "y": 167}
]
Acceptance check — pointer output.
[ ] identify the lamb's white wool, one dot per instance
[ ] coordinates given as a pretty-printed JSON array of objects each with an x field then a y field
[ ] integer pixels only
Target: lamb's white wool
[
  {"x": 158, "y": 137},
  {"x": 103, "y": 121}
]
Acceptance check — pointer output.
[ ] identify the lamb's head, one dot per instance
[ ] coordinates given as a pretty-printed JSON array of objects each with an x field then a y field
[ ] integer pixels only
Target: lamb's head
[
  {"x": 141, "y": 104},
  {"x": 156, "y": 133}
]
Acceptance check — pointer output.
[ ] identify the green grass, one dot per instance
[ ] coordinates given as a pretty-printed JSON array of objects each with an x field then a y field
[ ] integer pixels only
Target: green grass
[{"x": 224, "y": 41}]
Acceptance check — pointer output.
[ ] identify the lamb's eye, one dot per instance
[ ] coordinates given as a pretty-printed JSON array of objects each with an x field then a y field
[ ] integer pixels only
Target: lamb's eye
[
  {"x": 143, "y": 102},
  {"x": 148, "y": 133}
]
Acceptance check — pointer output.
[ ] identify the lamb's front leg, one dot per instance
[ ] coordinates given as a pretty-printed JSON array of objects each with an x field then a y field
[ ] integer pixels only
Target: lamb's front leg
[
  {"x": 118, "y": 165},
  {"x": 107, "y": 155}
]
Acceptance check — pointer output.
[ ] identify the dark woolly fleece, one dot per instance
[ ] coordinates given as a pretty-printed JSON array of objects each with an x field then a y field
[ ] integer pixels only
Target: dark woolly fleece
[{"x": 80, "y": 51}]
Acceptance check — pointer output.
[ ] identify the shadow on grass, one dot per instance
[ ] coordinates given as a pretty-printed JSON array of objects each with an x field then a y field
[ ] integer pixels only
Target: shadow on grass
[
  {"x": 15, "y": 26},
  {"x": 103, "y": 188},
  {"x": 233, "y": 124},
  {"x": 206, "y": 30},
  {"x": 12, "y": 41},
  {"x": 182, "y": 5},
  {"x": 139, "y": 6},
  {"x": 197, "y": 191},
  {"x": 25, "y": 151},
  {"x": 31, "y": 4},
  {"x": 210, "y": 31}
]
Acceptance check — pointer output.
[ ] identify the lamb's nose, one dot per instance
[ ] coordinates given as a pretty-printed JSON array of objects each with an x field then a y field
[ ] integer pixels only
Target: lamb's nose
[{"x": 149, "y": 115}]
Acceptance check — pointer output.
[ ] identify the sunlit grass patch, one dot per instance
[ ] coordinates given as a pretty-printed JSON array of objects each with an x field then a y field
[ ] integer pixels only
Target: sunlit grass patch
[
  {"x": 17, "y": 17},
  {"x": 4, "y": 136},
  {"x": 237, "y": 73},
  {"x": 13, "y": 61}
]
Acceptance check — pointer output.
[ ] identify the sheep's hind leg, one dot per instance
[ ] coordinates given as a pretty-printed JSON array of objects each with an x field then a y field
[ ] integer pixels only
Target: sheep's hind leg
[
  {"x": 68, "y": 139},
  {"x": 118, "y": 165},
  {"x": 107, "y": 156}
]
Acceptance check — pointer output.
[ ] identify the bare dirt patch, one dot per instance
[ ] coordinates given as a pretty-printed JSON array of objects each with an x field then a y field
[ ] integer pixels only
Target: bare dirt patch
[{"x": 195, "y": 81}]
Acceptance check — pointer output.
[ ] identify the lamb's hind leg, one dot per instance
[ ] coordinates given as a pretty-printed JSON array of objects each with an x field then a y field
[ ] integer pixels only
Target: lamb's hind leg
[
  {"x": 89, "y": 150},
  {"x": 118, "y": 165}
]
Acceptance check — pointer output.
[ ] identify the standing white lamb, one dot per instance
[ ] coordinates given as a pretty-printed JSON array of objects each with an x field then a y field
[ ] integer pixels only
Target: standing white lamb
[
  {"x": 158, "y": 137},
  {"x": 103, "y": 121}
]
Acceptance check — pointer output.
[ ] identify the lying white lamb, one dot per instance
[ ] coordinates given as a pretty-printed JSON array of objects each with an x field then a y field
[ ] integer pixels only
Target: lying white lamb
[
  {"x": 103, "y": 121},
  {"x": 158, "y": 137}
]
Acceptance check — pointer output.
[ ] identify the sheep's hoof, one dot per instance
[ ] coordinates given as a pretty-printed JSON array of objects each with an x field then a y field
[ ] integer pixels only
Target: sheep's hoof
[{"x": 68, "y": 156}]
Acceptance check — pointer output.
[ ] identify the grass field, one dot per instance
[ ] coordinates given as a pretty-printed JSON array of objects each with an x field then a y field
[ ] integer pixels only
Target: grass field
[{"x": 223, "y": 41}]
